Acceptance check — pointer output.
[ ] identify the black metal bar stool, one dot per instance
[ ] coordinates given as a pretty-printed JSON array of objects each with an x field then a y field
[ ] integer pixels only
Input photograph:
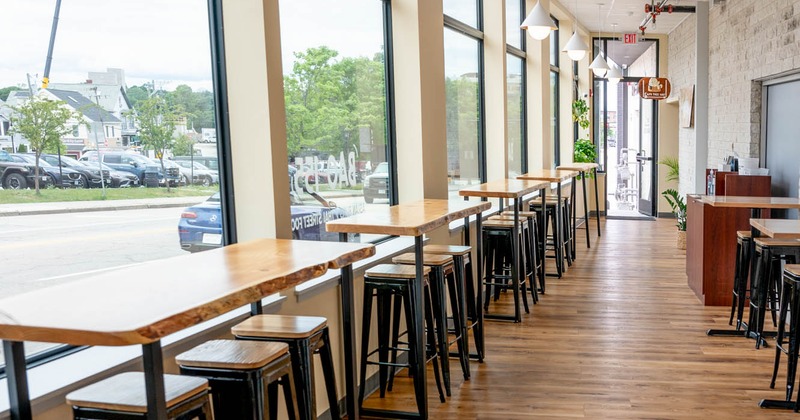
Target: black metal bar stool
[
  {"x": 395, "y": 281},
  {"x": 498, "y": 239},
  {"x": 305, "y": 336},
  {"x": 769, "y": 253},
  {"x": 559, "y": 241},
  {"x": 238, "y": 372},
  {"x": 122, "y": 397},
  {"x": 533, "y": 253},
  {"x": 463, "y": 268},
  {"x": 741, "y": 273},
  {"x": 790, "y": 302}
]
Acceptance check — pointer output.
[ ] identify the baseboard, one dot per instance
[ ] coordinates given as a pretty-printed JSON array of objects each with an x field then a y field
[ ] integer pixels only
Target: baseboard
[{"x": 669, "y": 215}]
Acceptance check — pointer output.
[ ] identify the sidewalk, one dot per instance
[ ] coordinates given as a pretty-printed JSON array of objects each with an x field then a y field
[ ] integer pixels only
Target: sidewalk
[{"x": 26, "y": 209}]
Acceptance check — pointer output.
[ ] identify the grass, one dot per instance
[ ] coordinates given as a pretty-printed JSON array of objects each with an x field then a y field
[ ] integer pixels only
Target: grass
[{"x": 96, "y": 194}]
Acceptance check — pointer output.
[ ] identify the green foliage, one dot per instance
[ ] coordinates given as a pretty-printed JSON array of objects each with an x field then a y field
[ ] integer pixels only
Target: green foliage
[
  {"x": 678, "y": 205},
  {"x": 329, "y": 101},
  {"x": 137, "y": 94},
  {"x": 22, "y": 148},
  {"x": 580, "y": 113},
  {"x": 5, "y": 91},
  {"x": 674, "y": 168},
  {"x": 157, "y": 120},
  {"x": 42, "y": 122},
  {"x": 183, "y": 146},
  {"x": 584, "y": 151}
]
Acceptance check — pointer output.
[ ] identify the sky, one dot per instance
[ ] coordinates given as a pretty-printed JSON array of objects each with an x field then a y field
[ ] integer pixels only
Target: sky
[{"x": 165, "y": 41}]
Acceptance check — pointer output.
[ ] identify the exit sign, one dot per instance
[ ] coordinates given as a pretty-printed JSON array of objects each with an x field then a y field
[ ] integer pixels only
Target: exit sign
[{"x": 630, "y": 38}]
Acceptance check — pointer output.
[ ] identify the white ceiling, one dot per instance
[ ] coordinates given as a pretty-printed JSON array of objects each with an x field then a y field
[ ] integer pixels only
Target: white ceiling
[{"x": 627, "y": 14}]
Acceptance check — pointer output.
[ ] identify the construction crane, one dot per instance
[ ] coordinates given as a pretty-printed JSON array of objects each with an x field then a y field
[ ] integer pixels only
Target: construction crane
[{"x": 46, "y": 77}]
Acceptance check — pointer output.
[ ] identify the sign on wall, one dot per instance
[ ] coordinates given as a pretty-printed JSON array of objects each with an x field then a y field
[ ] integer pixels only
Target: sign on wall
[
  {"x": 656, "y": 88},
  {"x": 630, "y": 38}
]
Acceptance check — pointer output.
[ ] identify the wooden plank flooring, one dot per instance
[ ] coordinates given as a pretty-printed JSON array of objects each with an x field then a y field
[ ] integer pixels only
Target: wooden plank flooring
[{"x": 621, "y": 336}]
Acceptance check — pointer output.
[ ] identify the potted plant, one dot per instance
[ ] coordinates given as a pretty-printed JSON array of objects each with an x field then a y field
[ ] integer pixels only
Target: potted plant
[
  {"x": 584, "y": 150},
  {"x": 678, "y": 205}
]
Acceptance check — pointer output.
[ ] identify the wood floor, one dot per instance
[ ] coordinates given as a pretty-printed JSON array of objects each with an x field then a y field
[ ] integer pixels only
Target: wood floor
[{"x": 621, "y": 336}]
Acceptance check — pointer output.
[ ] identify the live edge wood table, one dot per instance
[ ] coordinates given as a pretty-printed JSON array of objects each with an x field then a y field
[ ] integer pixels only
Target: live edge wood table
[
  {"x": 410, "y": 219},
  {"x": 584, "y": 168},
  {"x": 142, "y": 304},
  {"x": 513, "y": 190},
  {"x": 558, "y": 176}
]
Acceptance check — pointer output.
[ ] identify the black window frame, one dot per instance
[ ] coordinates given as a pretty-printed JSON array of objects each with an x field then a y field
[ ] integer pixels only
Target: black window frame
[
  {"x": 556, "y": 69},
  {"x": 522, "y": 53}
]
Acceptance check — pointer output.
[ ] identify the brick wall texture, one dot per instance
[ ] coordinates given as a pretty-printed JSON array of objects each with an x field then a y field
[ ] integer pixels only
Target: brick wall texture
[{"x": 749, "y": 40}]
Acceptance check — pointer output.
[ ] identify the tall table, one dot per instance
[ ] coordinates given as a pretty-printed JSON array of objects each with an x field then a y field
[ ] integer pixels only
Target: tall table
[
  {"x": 558, "y": 176},
  {"x": 145, "y": 303},
  {"x": 411, "y": 219},
  {"x": 584, "y": 168},
  {"x": 513, "y": 190}
]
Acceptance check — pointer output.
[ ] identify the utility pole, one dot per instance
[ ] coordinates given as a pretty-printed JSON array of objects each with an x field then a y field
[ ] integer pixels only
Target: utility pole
[
  {"x": 46, "y": 77},
  {"x": 97, "y": 142}
]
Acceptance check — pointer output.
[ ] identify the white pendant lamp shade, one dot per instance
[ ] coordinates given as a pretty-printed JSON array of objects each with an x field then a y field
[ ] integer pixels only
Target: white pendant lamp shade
[
  {"x": 538, "y": 23},
  {"x": 614, "y": 75},
  {"x": 599, "y": 66},
  {"x": 576, "y": 49}
]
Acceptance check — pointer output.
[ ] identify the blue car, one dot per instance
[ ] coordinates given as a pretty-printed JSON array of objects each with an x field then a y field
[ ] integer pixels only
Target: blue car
[{"x": 200, "y": 227}]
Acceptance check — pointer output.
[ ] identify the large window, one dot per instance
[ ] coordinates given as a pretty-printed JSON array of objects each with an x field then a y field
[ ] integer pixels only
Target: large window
[
  {"x": 463, "y": 46},
  {"x": 515, "y": 89},
  {"x": 335, "y": 83},
  {"x": 555, "y": 144},
  {"x": 119, "y": 82}
]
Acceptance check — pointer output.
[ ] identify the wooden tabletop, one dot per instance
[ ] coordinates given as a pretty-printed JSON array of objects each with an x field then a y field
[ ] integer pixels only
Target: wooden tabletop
[
  {"x": 751, "y": 202},
  {"x": 550, "y": 175},
  {"x": 410, "y": 219},
  {"x": 504, "y": 188},
  {"x": 143, "y": 303},
  {"x": 777, "y": 228},
  {"x": 579, "y": 166}
]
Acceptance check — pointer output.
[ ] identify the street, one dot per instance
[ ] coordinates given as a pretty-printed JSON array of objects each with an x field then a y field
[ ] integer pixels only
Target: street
[{"x": 45, "y": 250}]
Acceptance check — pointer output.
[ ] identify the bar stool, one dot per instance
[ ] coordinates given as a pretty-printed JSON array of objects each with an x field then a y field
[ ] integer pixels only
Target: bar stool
[
  {"x": 463, "y": 267},
  {"x": 790, "y": 300},
  {"x": 741, "y": 272},
  {"x": 558, "y": 241},
  {"x": 769, "y": 253},
  {"x": 305, "y": 336},
  {"x": 443, "y": 272},
  {"x": 498, "y": 260},
  {"x": 533, "y": 253},
  {"x": 398, "y": 282},
  {"x": 122, "y": 397},
  {"x": 238, "y": 372}
]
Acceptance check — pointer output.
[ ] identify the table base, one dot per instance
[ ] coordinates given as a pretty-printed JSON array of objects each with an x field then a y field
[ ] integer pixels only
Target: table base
[
  {"x": 389, "y": 414},
  {"x": 501, "y": 317},
  {"x": 780, "y": 404}
]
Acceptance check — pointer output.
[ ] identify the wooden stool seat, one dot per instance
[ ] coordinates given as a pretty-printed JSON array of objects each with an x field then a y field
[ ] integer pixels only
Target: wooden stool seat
[
  {"x": 508, "y": 224},
  {"x": 232, "y": 354},
  {"x": 396, "y": 271},
  {"x": 762, "y": 242},
  {"x": 126, "y": 392},
  {"x": 507, "y": 218},
  {"x": 525, "y": 214},
  {"x": 427, "y": 259},
  {"x": 448, "y": 249},
  {"x": 279, "y": 326},
  {"x": 743, "y": 234},
  {"x": 792, "y": 269}
]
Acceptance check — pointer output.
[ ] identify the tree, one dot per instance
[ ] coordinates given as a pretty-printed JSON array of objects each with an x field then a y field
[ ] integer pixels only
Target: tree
[
  {"x": 5, "y": 91},
  {"x": 183, "y": 146},
  {"x": 136, "y": 94},
  {"x": 43, "y": 122},
  {"x": 157, "y": 121}
]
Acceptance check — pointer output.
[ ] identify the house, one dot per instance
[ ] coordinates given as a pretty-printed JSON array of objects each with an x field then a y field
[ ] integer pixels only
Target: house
[{"x": 103, "y": 130}]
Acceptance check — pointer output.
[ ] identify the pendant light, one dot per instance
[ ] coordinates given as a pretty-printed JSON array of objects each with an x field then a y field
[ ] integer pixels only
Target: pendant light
[
  {"x": 614, "y": 74},
  {"x": 576, "y": 49},
  {"x": 599, "y": 66},
  {"x": 538, "y": 23}
]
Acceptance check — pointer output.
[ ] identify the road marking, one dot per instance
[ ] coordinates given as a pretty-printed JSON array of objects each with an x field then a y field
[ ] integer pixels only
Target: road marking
[
  {"x": 84, "y": 273},
  {"x": 76, "y": 240},
  {"x": 72, "y": 227}
]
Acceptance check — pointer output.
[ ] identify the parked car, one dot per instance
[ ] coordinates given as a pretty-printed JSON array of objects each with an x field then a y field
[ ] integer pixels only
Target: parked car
[
  {"x": 60, "y": 177},
  {"x": 200, "y": 226},
  {"x": 121, "y": 179},
  {"x": 209, "y": 162},
  {"x": 136, "y": 164},
  {"x": 18, "y": 176},
  {"x": 90, "y": 173},
  {"x": 376, "y": 184},
  {"x": 197, "y": 172}
]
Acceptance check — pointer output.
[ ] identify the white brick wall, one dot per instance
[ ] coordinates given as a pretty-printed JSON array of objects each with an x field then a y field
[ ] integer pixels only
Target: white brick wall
[{"x": 748, "y": 40}]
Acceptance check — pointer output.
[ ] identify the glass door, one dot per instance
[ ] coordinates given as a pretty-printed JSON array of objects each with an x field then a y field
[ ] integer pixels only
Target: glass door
[{"x": 645, "y": 157}]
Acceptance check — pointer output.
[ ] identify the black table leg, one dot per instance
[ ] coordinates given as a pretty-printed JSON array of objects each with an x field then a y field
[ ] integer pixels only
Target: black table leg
[
  {"x": 153, "y": 362},
  {"x": 421, "y": 384},
  {"x": 596, "y": 204},
  {"x": 18, "y": 397},
  {"x": 543, "y": 234},
  {"x": 349, "y": 330},
  {"x": 586, "y": 210}
]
